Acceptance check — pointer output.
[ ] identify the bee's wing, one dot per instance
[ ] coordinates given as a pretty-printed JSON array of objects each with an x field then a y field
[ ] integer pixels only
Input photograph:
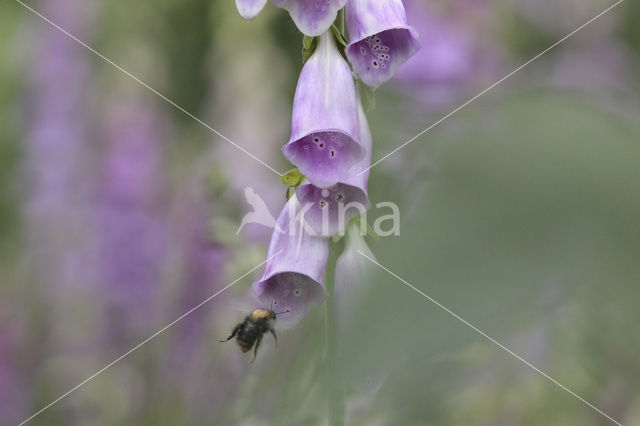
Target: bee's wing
[{"x": 240, "y": 307}]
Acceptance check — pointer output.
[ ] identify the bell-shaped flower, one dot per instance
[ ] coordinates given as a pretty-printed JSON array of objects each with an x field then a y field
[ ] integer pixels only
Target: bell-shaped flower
[
  {"x": 353, "y": 296},
  {"x": 249, "y": 9},
  {"x": 330, "y": 209},
  {"x": 312, "y": 17},
  {"x": 324, "y": 142},
  {"x": 352, "y": 277},
  {"x": 381, "y": 39},
  {"x": 293, "y": 278}
]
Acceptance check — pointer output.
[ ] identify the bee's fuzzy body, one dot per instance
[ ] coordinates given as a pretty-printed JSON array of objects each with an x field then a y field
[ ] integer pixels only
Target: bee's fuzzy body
[{"x": 249, "y": 332}]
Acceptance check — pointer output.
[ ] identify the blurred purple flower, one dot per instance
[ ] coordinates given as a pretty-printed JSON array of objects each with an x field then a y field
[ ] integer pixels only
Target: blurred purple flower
[
  {"x": 324, "y": 128},
  {"x": 132, "y": 220},
  {"x": 203, "y": 270},
  {"x": 446, "y": 54},
  {"x": 454, "y": 51},
  {"x": 56, "y": 153},
  {"x": 294, "y": 276},
  {"x": 13, "y": 404},
  {"x": 342, "y": 202},
  {"x": 381, "y": 39}
]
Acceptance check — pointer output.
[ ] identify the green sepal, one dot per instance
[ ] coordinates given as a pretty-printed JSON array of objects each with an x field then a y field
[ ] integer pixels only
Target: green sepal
[
  {"x": 338, "y": 35},
  {"x": 308, "y": 47},
  {"x": 290, "y": 192},
  {"x": 369, "y": 232},
  {"x": 336, "y": 238},
  {"x": 367, "y": 95},
  {"x": 292, "y": 178}
]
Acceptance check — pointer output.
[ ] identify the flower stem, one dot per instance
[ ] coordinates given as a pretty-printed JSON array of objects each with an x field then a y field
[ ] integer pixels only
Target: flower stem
[{"x": 335, "y": 385}]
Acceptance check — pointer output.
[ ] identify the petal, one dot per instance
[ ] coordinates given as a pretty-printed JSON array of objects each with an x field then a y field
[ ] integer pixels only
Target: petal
[
  {"x": 293, "y": 277},
  {"x": 381, "y": 39},
  {"x": 330, "y": 209},
  {"x": 312, "y": 17},
  {"x": 249, "y": 9},
  {"x": 324, "y": 142}
]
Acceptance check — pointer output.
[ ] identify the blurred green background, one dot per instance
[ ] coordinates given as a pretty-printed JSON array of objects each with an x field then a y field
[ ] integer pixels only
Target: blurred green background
[{"x": 118, "y": 212}]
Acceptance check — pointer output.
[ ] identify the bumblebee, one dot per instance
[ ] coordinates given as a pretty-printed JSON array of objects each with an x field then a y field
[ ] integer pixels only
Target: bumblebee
[{"x": 249, "y": 332}]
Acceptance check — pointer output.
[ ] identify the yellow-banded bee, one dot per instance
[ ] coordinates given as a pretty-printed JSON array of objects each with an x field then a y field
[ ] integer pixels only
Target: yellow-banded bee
[{"x": 250, "y": 331}]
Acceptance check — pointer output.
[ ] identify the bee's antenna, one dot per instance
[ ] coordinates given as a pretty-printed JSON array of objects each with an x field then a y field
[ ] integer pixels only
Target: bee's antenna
[{"x": 285, "y": 312}]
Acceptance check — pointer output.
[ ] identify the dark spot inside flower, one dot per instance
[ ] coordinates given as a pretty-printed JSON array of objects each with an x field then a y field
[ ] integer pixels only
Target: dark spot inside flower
[
  {"x": 297, "y": 292},
  {"x": 321, "y": 145},
  {"x": 316, "y": 140},
  {"x": 339, "y": 197},
  {"x": 332, "y": 153},
  {"x": 323, "y": 204},
  {"x": 275, "y": 302},
  {"x": 305, "y": 146},
  {"x": 375, "y": 64},
  {"x": 363, "y": 50}
]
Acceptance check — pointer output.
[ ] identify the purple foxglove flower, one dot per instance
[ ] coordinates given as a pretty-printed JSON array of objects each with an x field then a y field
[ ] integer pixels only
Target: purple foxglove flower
[
  {"x": 332, "y": 208},
  {"x": 249, "y": 9},
  {"x": 381, "y": 39},
  {"x": 312, "y": 17},
  {"x": 324, "y": 142},
  {"x": 294, "y": 278}
]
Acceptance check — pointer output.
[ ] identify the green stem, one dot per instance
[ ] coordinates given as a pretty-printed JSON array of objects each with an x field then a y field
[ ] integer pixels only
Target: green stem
[
  {"x": 341, "y": 21},
  {"x": 335, "y": 385}
]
